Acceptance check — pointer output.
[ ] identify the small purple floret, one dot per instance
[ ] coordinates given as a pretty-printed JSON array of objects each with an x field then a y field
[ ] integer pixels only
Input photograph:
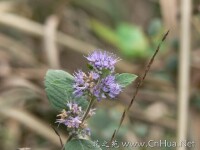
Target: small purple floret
[
  {"x": 102, "y": 60},
  {"x": 84, "y": 82},
  {"x": 96, "y": 82},
  {"x": 107, "y": 88},
  {"x": 80, "y": 85}
]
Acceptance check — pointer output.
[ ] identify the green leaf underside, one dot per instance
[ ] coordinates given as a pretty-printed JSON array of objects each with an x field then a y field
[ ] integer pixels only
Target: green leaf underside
[
  {"x": 59, "y": 89},
  {"x": 80, "y": 144},
  {"x": 125, "y": 79}
]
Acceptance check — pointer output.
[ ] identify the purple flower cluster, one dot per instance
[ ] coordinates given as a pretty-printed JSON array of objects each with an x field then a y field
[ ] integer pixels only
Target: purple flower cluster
[
  {"x": 102, "y": 60},
  {"x": 72, "y": 118},
  {"x": 95, "y": 82},
  {"x": 84, "y": 82},
  {"x": 107, "y": 88}
]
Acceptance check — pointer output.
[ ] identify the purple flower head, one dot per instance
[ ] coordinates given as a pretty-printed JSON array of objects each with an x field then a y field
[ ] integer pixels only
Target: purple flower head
[
  {"x": 84, "y": 82},
  {"x": 107, "y": 88},
  {"x": 80, "y": 85},
  {"x": 72, "y": 119},
  {"x": 102, "y": 60},
  {"x": 72, "y": 122},
  {"x": 94, "y": 75}
]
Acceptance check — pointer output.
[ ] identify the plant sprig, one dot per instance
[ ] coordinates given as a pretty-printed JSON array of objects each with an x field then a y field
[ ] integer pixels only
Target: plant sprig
[{"x": 74, "y": 95}]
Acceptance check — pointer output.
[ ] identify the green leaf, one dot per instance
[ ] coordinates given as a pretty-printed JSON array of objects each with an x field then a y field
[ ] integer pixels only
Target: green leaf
[
  {"x": 128, "y": 38},
  {"x": 125, "y": 79},
  {"x": 104, "y": 32},
  {"x": 132, "y": 41},
  {"x": 90, "y": 67},
  {"x": 58, "y": 86},
  {"x": 81, "y": 144}
]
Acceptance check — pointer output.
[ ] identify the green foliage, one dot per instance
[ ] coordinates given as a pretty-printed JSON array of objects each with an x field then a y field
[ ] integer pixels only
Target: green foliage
[
  {"x": 125, "y": 79},
  {"x": 132, "y": 41},
  {"x": 105, "y": 32},
  {"x": 80, "y": 144},
  {"x": 129, "y": 39},
  {"x": 59, "y": 90}
]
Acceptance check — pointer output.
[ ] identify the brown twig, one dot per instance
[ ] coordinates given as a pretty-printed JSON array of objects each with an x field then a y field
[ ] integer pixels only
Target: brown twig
[
  {"x": 146, "y": 71},
  {"x": 36, "y": 125},
  {"x": 138, "y": 86},
  {"x": 61, "y": 142}
]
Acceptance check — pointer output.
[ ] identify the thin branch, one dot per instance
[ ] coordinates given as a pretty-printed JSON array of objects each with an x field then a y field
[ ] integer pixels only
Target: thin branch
[
  {"x": 61, "y": 142},
  {"x": 139, "y": 85},
  {"x": 88, "y": 109},
  {"x": 33, "y": 123},
  {"x": 147, "y": 70}
]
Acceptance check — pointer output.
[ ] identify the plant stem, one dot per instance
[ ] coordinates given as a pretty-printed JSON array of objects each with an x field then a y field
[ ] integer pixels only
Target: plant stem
[{"x": 88, "y": 109}]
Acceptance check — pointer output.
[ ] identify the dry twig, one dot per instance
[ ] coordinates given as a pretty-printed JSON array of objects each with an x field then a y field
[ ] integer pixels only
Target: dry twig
[{"x": 138, "y": 86}]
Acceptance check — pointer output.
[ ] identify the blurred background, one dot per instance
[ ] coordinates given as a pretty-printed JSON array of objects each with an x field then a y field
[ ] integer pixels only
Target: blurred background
[{"x": 37, "y": 35}]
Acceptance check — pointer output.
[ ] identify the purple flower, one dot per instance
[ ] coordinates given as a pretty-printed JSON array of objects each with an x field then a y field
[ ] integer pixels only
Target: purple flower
[
  {"x": 94, "y": 75},
  {"x": 72, "y": 122},
  {"x": 84, "y": 82},
  {"x": 95, "y": 82},
  {"x": 102, "y": 60},
  {"x": 107, "y": 88},
  {"x": 72, "y": 119},
  {"x": 80, "y": 85}
]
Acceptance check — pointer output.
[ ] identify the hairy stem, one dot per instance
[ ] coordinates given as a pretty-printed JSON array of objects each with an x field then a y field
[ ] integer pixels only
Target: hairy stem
[{"x": 88, "y": 109}]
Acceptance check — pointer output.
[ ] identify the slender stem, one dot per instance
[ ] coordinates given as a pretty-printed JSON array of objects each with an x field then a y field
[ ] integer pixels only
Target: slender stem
[
  {"x": 61, "y": 143},
  {"x": 88, "y": 109}
]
